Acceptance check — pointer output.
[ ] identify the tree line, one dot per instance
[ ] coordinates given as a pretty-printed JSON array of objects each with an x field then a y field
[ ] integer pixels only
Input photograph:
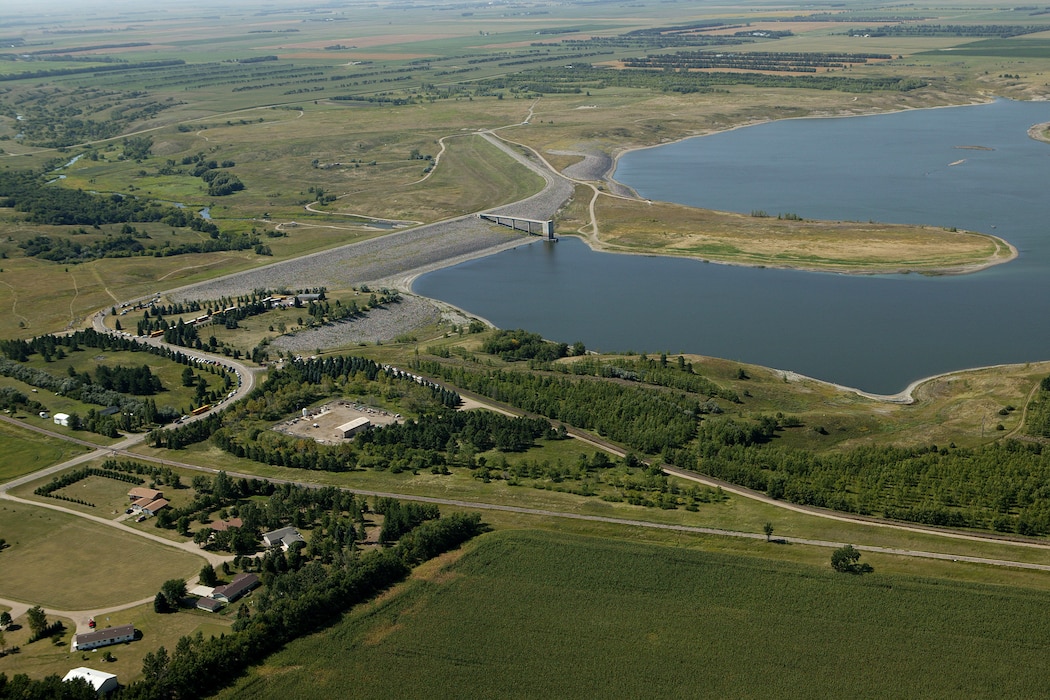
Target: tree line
[{"x": 585, "y": 77}]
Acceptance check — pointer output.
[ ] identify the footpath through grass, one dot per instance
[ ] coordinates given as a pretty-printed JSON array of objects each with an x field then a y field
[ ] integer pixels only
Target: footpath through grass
[{"x": 527, "y": 614}]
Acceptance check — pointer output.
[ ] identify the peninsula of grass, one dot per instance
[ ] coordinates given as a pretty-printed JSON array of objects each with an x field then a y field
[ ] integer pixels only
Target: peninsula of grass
[
  {"x": 527, "y": 614},
  {"x": 632, "y": 226}
]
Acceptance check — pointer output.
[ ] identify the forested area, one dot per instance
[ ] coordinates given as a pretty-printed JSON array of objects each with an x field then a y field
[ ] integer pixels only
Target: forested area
[
  {"x": 1004, "y": 486},
  {"x": 60, "y": 206},
  {"x": 645, "y": 420},
  {"x": 49, "y": 204},
  {"x": 438, "y": 440},
  {"x": 1037, "y": 415}
]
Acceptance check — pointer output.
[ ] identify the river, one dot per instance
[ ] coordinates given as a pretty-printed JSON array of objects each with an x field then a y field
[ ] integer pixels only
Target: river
[{"x": 971, "y": 167}]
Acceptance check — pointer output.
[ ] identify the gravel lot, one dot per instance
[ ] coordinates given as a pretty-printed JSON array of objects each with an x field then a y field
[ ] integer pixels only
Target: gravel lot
[{"x": 380, "y": 325}]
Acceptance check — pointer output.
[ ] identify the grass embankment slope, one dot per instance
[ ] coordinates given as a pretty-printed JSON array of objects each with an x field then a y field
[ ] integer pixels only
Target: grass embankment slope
[{"x": 527, "y": 614}]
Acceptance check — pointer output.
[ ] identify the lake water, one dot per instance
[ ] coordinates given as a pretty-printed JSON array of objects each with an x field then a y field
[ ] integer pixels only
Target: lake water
[{"x": 876, "y": 333}]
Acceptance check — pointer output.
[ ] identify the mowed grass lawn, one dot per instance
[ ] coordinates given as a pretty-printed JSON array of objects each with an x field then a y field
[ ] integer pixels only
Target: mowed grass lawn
[
  {"x": 524, "y": 614},
  {"x": 25, "y": 451},
  {"x": 63, "y": 562}
]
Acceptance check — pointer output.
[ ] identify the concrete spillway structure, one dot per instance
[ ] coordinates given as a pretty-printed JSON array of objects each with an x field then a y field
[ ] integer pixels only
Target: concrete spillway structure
[{"x": 519, "y": 224}]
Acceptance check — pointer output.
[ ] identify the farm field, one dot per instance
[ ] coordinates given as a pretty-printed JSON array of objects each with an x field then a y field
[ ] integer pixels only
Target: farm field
[
  {"x": 48, "y": 551},
  {"x": 525, "y": 614}
]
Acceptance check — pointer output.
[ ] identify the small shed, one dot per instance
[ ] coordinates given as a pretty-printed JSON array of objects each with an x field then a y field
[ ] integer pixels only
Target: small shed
[
  {"x": 101, "y": 681},
  {"x": 62, "y": 419},
  {"x": 357, "y": 425}
]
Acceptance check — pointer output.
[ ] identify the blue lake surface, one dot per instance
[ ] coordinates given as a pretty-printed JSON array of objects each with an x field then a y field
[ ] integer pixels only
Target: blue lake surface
[{"x": 876, "y": 333}]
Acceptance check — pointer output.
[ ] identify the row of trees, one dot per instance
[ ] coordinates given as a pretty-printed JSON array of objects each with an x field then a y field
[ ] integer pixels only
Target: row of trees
[
  {"x": 751, "y": 60},
  {"x": 584, "y": 78}
]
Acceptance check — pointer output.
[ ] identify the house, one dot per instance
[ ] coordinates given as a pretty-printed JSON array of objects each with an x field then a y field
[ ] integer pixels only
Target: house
[
  {"x": 103, "y": 638},
  {"x": 62, "y": 419},
  {"x": 282, "y": 538},
  {"x": 235, "y": 588},
  {"x": 348, "y": 430},
  {"x": 141, "y": 492},
  {"x": 144, "y": 505},
  {"x": 224, "y": 525},
  {"x": 101, "y": 681},
  {"x": 153, "y": 507},
  {"x": 209, "y": 604}
]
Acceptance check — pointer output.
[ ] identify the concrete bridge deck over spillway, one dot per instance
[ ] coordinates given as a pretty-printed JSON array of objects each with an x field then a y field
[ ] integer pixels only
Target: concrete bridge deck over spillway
[{"x": 520, "y": 224}]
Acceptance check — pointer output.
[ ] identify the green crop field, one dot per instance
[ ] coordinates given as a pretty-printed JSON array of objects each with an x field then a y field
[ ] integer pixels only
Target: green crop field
[{"x": 525, "y": 614}]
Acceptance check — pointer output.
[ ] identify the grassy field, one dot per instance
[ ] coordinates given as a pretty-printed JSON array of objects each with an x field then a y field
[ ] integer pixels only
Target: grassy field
[
  {"x": 25, "y": 451},
  {"x": 526, "y": 614},
  {"x": 67, "y": 563}
]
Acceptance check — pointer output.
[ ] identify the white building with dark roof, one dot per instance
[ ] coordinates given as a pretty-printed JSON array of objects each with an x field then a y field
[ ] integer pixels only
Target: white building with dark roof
[{"x": 104, "y": 637}]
